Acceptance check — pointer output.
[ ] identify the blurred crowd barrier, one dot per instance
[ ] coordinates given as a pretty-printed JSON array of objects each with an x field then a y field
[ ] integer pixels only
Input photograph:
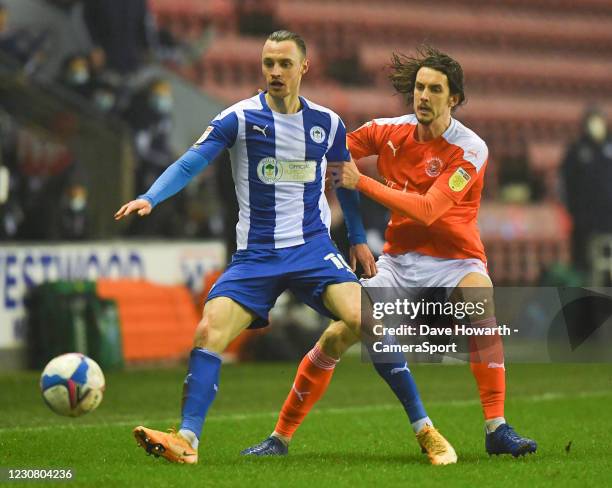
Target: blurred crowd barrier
[{"x": 24, "y": 267}]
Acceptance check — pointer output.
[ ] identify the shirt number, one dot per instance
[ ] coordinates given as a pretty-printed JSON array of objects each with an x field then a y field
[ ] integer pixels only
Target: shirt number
[{"x": 338, "y": 260}]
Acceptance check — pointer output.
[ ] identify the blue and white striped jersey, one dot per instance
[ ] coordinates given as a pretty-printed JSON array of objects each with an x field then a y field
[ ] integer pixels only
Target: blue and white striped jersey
[{"x": 278, "y": 164}]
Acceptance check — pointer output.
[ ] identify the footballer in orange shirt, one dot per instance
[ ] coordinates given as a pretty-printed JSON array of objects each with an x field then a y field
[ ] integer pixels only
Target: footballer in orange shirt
[
  {"x": 432, "y": 168},
  {"x": 443, "y": 178}
]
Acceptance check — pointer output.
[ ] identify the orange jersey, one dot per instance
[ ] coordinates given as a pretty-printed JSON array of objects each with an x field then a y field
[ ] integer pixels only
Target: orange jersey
[{"x": 453, "y": 163}]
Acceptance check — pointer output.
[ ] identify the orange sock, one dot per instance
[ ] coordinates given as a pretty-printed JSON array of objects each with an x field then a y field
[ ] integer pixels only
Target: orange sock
[
  {"x": 487, "y": 364},
  {"x": 313, "y": 376}
]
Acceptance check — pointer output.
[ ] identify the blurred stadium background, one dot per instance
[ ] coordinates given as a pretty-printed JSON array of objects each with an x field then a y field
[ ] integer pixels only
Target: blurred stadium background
[{"x": 97, "y": 97}]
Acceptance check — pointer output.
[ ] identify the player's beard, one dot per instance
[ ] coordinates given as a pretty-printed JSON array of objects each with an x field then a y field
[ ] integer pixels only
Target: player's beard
[
  {"x": 423, "y": 121},
  {"x": 426, "y": 119}
]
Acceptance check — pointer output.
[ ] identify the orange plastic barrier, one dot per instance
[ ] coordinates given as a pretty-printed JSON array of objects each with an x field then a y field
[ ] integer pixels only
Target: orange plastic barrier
[{"x": 157, "y": 321}]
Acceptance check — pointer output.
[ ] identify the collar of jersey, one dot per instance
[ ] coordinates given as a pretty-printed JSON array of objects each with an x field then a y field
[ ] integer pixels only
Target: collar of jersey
[
  {"x": 444, "y": 134},
  {"x": 262, "y": 99}
]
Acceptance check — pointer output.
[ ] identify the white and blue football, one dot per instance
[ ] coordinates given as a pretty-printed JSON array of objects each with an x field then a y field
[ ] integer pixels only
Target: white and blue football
[{"x": 72, "y": 384}]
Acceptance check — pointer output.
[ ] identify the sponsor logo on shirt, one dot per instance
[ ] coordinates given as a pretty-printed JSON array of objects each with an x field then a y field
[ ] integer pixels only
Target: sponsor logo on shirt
[
  {"x": 317, "y": 134},
  {"x": 459, "y": 180},
  {"x": 271, "y": 171}
]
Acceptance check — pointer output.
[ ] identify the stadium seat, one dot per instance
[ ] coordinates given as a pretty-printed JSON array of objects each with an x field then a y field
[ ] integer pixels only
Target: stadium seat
[
  {"x": 509, "y": 70},
  {"x": 523, "y": 240},
  {"x": 233, "y": 60},
  {"x": 230, "y": 93},
  {"x": 157, "y": 321},
  {"x": 187, "y": 18},
  {"x": 490, "y": 25},
  {"x": 545, "y": 159},
  {"x": 569, "y": 7}
]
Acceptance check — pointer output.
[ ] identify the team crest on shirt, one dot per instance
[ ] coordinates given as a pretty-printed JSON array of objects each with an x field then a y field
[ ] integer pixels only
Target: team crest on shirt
[
  {"x": 459, "y": 180},
  {"x": 203, "y": 137},
  {"x": 317, "y": 134},
  {"x": 269, "y": 171},
  {"x": 433, "y": 167}
]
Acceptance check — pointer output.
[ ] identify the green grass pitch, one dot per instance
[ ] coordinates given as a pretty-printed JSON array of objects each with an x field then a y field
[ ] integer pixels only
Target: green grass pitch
[{"x": 356, "y": 436}]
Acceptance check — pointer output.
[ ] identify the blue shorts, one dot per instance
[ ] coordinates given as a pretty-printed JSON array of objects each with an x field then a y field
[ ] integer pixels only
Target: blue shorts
[{"x": 256, "y": 277}]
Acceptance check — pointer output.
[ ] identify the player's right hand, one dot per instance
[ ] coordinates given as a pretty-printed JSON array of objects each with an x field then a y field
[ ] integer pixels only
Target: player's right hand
[
  {"x": 361, "y": 253},
  {"x": 343, "y": 174},
  {"x": 142, "y": 206}
]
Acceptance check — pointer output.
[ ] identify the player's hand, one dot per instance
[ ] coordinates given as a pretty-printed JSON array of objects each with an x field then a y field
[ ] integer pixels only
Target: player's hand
[
  {"x": 343, "y": 174},
  {"x": 361, "y": 253},
  {"x": 141, "y": 206}
]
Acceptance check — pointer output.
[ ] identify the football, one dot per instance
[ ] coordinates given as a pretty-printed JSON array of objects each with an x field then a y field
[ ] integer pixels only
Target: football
[{"x": 72, "y": 384}]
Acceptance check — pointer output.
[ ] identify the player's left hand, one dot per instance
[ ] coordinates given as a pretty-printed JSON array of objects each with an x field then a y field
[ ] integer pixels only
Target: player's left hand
[
  {"x": 361, "y": 253},
  {"x": 343, "y": 174}
]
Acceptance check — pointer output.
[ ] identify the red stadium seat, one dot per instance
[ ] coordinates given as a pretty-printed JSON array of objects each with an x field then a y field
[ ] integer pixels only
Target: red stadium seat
[
  {"x": 157, "y": 321},
  {"x": 569, "y": 7},
  {"x": 545, "y": 159},
  {"x": 490, "y": 25},
  {"x": 232, "y": 60},
  {"x": 229, "y": 93},
  {"x": 523, "y": 240},
  {"x": 503, "y": 70},
  {"x": 187, "y": 18}
]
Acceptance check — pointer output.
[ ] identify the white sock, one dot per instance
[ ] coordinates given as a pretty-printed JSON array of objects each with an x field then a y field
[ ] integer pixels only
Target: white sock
[
  {"x": 191, "y": 438},
  {"x": 492, "y": 424},
  {"x": 281, "y": 438},
  {"x": 420, "y": 424}
]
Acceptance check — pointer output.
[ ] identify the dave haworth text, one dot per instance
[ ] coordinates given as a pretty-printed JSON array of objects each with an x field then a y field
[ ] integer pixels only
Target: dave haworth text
[
  {"x": 427, "y": 330},
  {"x": 387, "y": 344}
]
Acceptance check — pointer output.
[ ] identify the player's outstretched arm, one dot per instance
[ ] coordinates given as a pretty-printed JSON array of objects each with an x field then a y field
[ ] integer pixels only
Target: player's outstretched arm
[
  {"x": 217, "y": 136},
  {"x": 141, "y": 206},
  {"x": 171, "y": 181}
]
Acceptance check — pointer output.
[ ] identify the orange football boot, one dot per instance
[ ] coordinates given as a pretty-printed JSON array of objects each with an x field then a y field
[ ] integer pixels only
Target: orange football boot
[
  {"x": 170, "y": 445},
  {"x": 437, "y": 448}
]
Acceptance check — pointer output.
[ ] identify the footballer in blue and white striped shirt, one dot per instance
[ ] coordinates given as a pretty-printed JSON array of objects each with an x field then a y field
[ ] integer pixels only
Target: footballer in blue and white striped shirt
[{"x": 279, "y": 145}]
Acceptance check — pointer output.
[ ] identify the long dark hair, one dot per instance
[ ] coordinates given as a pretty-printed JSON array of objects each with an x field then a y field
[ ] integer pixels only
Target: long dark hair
[{"x": 404, "y": 71}]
